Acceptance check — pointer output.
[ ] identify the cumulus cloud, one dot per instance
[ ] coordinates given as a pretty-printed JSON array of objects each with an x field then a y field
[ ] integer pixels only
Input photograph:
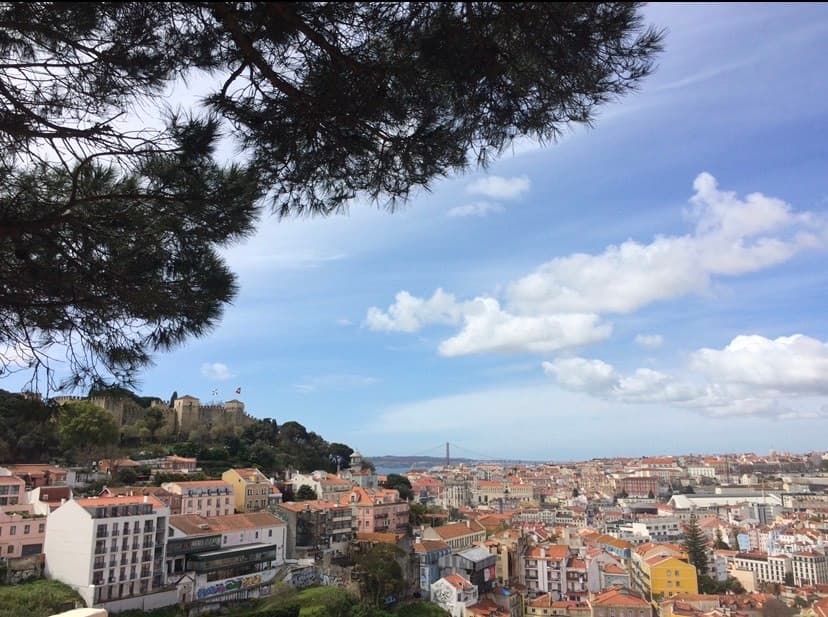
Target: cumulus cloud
[
  {"x": 649, "y": 341},
  {"x": 488, "y": 328},
  {"x": 728, "y": 240},
  {"x": 410, "y": 314},
  {"x": 562, "y": 302},
  {"x": 498, "y": 187},
  {"x": 478, "y": 209},
  {"x": 581, "y": 374},
  {"x": 791, "y": 364},
  {"x": 216, "y": 371},
  {"x": 751, "y": 376}
]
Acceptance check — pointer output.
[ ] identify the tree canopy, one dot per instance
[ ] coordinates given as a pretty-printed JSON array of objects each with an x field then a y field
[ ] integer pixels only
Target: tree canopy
[
  {"x": 111, "y": 222},
  {"x": 86, "y": 429},
  {"x": 695, "y": 545},
  {"x": 401, "y": 484}
]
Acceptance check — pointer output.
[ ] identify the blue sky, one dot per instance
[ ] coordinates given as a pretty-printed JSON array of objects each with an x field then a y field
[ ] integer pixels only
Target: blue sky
[{"x": 652, "y": 285}]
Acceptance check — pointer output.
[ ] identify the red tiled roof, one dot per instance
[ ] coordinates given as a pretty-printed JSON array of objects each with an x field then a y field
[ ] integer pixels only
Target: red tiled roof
[
  {"x": 430, "y": 546},
  {"x": 457, "y": 581},
  {"x": 458, "y": 530},
  {"x": 619, "y": 597},
  {"x": 556, "y": 552},
  {"x": 194, "y": 524},
  {"x": 121, "y": 500}
]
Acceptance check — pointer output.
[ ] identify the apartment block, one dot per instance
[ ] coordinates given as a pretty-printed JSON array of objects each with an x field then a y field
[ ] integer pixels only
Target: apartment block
[
  {"x": 109, "y": 549},
  {"x": 205, "y": 497}
]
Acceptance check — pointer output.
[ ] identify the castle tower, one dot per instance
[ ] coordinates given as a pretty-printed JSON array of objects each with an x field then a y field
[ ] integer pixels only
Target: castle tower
[{"x": 187, "y": 412}]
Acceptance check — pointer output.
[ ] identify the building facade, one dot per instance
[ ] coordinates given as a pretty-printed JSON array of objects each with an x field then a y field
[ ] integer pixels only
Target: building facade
[
  {"x": 108, "y": 549},
  {"x": 205, "y": 497},
  {"x": 251, "y": 488}
]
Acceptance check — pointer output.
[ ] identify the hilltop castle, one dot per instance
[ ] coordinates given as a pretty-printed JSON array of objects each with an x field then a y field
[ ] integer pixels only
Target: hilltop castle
[
  {"x": 186, "y": 413},
  {"x": 190, "y": 413}
]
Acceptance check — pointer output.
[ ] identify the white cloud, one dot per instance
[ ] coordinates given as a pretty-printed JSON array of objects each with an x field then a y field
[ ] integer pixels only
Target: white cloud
[
  {"x": 410, "y": 314},
  {"x": 785, "y": 378},
  {"x": 216, "y": 371},
  {"x": 581, "y": 374},
  {"x": 795, "y": 364},
  {"x": 479, "y": 209},
  {"x": 498, "y": 187},
  {"x": 728, "y": 240},
  {"x": 560, "y": 304},
  {"x": 488, "y": 328},
  {"x": 649, "y": 341},
  {"x": 344, "y": 322}
]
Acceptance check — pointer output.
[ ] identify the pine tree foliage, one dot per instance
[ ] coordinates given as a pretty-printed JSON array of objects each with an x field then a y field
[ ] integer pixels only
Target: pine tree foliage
[
  {"x": 111, "y": 227},
  {"x": 695, "y": 544}
]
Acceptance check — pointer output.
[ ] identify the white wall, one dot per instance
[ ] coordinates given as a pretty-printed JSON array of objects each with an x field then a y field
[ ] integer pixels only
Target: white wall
[{"x": 69, "y": 547}]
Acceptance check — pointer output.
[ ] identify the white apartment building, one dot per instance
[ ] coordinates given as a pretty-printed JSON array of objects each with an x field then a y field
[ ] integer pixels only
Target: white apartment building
[
  {"x": 110, "y": 550},
  {"x": 655, "y": 529},
  {"x": 701, "y": 472},
  {"x": 205, "y": 497},
  {"x": 809, "y": 568},
  {"x": 767, "y": 568}
]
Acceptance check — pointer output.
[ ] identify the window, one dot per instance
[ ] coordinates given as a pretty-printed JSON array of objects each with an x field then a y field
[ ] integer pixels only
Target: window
[
  {"x": 269, "y": 533},
  {"x": 257, "y": 535},
  {"x": 677, "y": 573},
  {"x": 13, "y": 530},
  {"x": 10, "y": 549},
  {"x": 678, "y": 583}
]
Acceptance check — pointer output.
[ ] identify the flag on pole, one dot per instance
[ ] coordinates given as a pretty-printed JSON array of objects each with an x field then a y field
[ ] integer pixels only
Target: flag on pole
[{"x": 238, "y": 390}]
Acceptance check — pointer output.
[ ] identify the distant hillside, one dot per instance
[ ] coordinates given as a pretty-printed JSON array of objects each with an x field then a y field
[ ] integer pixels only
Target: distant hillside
[
  {"x": 414, "y": 462},
  {"x": 424, "y": 462}
]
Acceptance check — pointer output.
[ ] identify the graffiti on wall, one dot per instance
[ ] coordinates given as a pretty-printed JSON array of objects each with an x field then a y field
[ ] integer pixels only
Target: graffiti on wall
[
  {"x": 235, "y": 584},
  {"x": 304, "y": 577}
]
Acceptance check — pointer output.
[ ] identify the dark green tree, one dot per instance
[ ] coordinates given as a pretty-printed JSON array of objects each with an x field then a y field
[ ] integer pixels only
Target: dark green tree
[
  {"x": 126, "y": 476},
  {"x": 110, "y": 235},
  {"x": 173, "y": 397},
  {"x": 28, "y": 431},
  {"x": 154, "y": 419},
  {"x": 380, "y": 574},
  {"x": 401, "y": 484},
  {"x": 306, "y": 493},
  {"x": 86, "y": 430},
  {"x": 695, "y": 545}
]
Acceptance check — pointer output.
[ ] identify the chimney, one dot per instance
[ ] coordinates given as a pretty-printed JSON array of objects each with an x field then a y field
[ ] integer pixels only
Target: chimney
[
  {"x": 62, "y": 500},
  {"x": 146, "y": 498},
  {"x": 468, "y": 523}
]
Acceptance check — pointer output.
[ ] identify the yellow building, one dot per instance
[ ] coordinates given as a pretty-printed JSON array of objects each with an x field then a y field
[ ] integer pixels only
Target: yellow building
[
  {"x": 251, "y": 488},
  {"x": 660, "y": 571}
]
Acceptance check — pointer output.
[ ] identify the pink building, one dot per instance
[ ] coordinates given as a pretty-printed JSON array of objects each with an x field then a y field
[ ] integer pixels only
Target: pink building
[
  {"x": 180, "y": 464},
  {"x": 377, "y": 510},
  {"x": 21, "y": 532},
  {"x": 12, "y": 491},
  {"x": 37, "y": 475}
]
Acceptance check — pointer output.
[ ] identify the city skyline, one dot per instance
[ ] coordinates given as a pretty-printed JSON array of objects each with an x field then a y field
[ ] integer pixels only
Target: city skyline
[{"x": 652, "y": 284}]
